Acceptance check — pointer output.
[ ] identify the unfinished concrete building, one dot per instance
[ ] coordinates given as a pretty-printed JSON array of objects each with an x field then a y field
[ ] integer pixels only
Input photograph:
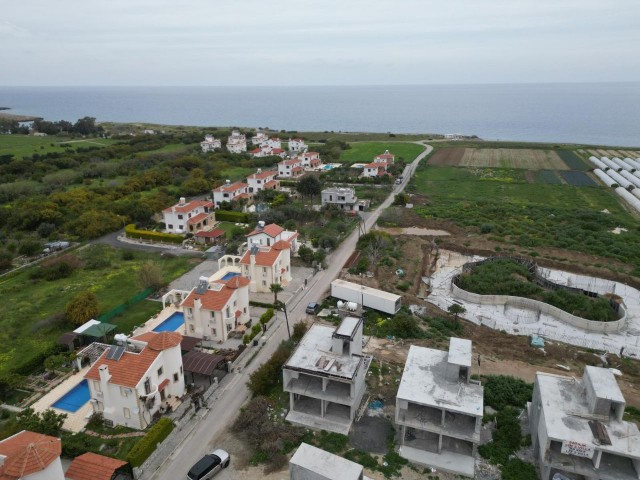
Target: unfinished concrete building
[
  {"x": 325, "y": 376},
  {"x": 439, "y": 409},
  {"x": 312, "y": 463},
  {"x": 577, "y": 429}
]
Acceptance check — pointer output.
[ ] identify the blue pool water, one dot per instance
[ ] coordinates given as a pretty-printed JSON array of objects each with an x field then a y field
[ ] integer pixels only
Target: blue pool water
[
  {"x": 230, "y": 275},
  {"x": 171, "y": 324},
  {"x": 327, "y": 167},
  {"x": 74, "y": 398}
]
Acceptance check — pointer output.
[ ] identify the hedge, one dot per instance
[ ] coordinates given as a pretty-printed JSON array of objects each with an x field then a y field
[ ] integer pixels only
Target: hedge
[
  {"x": 231, "y": 216},
  {"x": 261, "y": 304},
  {"x": 266, "y": 316},
  {"x": 147, "y": 444},
  {"x": 133, "y": 232}
]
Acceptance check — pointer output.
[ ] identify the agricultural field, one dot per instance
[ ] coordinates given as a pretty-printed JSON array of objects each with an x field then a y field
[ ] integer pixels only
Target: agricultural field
[
  {"x": 26, "y": 145},
  {"x": 549, "y": 177},
  {"x": 521, "y": 158},
  {"x": 531, "y": 216},
  {"x": 365, "y": 151},
  {"x": 33, "y": 323},
  {"x": 598, "y": 152},
  {"x": 578, "y": 179}
]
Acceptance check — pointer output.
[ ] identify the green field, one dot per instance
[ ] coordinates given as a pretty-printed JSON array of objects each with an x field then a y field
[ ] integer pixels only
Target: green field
[
  {"x": 365, "y": 151},
  {"x": 28, "y": 327},
  {"x": 501, "y": 205},
  {"x": 26, "y": 145},
  {"x": 171, "y": 148}
]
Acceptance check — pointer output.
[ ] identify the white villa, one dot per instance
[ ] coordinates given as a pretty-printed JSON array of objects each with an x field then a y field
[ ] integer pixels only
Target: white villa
[
  {"x": 310, "y": 160},
  {"x": 297, "y": 145},
  {"x": 344, "y": 198},
  {"x": 193, "y": 216},
  {"x": 266, "y": 150},
  {"x": 375, "y": 169},
  {"x": 230, "y": 192},
  {"x": 215, "y": 308},
  {"x": 290, "y": 168},
  {"x": 129, "y": 383},
  {"x": 31, "y": 456},
  {"x": 386, "y": 157},
  {"x": 210, "y": 143},
  {"x": 237, "y": 142},
  {"x": 259, "y": 138},
  {"x": 325, "y": 377},
  {"x": 264, "y": 265},
  {"x": 263, "y": 180},
  {"x": 267, "y": 235}
]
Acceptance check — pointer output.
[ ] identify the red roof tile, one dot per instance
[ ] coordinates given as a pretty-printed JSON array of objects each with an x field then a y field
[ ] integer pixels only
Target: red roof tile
[
  {"x": 216, "y": 300},
  {"x": 163, "y": 384},
  {"x": 27, "y": 453},
  {"x": 187, "y": 207},
  {"x": 215, "y": 233},
  {"x": 281, "y": 245},
  {"x": 293, "y": 161},
  {"x": 263, "y": 258},
  {"x": 232, "y": 187},
  {"x": 273, "y": 230},
  {"x": 261, "y": 175},
  {"x": 129, "y": 370},
  {"x": 271, "y": 183},
  {"x": 91, "y": 466},
  {"x": 198, "y": 218}
]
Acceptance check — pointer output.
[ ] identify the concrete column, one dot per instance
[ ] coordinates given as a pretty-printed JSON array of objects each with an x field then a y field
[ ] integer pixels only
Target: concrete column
[
  {"x": 325, "y": 384},
  {"x": 291, "y": 401},
  {"x": 440, "y": 443},
  {"x": 322, "y": 408},
  {"x": 478, "y": 424},
  {"x": 404, "y": 432},
  {"x": 442, "y": 418},
  {"x": 596, "y": 458}
]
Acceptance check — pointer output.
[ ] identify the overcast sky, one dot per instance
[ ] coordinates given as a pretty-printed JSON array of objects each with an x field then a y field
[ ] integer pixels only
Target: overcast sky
[{"x": 323, "y": 42}]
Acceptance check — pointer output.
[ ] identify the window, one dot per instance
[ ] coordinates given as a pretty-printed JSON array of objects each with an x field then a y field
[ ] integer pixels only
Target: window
[
  {"x": 264, "y": 270},
  {"x": 126, "y": 412},
  {"x": 175, "y": 377},
  {"x": 124, "y": 391},
  {"x": 180, "y": 369},
  {"x": 229, "y": 328},
  {"x": 235, "y": 303},
  {"x": 192, "y": 328},
  {"x": 160, "y": 371},
  {"x": 214, "y": 332},
  {"x": 213, "y": 314},
  {"x": 244, "y": 309},
  {"x": 264, "y": 283},
  {"x": 190, "y": 310},
  {"x": 170, "y": 227},
  {"x": 180, "y": 217}
]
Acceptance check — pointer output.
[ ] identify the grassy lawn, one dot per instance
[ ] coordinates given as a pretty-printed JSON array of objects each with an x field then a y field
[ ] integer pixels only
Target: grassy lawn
[
  {"x": 28, "y": 327},
  {"x": 26, "y": 145},
  {"x": 236, "y": 174},
  {"x": 136, "y": 315},
  {"x": 499, "y": 203},
  {"x": 171, "y": 148},
  {"x": 365, "y": 151}
]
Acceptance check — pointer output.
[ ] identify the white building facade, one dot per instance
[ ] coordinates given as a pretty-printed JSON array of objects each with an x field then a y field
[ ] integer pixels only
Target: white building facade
[
  {"x": 129, "y": 386},
  {"x": 268, "y": 235},
  {"x": 291, "y": 168},
  {"x": 297, "y": 145},
  {"x": 264, "y": 266},
  {"x": 236, "y": 142},
  {"x": 263, "y": 180},
  {"x": 344, "y": 198},
  {"x": 185, "y": 217},
  {"x": 230, "y": 192},
  {"x": 210, "y": 144}
]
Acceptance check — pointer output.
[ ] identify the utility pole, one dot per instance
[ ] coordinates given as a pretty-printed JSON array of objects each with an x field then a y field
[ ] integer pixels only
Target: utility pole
[{"x": 286, "y": 319}]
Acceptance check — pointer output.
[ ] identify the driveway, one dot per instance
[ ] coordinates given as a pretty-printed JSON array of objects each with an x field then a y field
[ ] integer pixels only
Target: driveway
[
  {"x": 225, "y": 405},
  {"x": 113, "y": 239}
]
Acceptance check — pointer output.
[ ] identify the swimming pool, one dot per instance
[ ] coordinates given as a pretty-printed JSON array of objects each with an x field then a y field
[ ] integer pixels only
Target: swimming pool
[
  {"x": 229, "y": 275},
  {"x": 74, "y": 398},
  {"x": 327, "y": 167},
  {"x": 171, "y": 324}
]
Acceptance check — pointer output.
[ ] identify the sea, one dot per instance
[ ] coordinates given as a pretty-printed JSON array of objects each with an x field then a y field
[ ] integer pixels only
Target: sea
[{"x": 588, "y": 113}]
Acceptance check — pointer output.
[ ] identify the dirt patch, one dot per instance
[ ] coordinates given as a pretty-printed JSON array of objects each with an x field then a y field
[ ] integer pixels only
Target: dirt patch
[
  {"x": 449, "y": 157},
  {"x": 512, "y": 158},
  {"x": 370, "y": 434}
]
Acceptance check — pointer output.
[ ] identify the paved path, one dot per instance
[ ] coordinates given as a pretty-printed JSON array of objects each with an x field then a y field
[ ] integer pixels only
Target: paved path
[{"x": 224, "y": 406}]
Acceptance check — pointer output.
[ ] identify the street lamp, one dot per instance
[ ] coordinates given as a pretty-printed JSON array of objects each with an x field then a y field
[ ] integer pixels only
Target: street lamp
[{"x": 286, "y": 318}]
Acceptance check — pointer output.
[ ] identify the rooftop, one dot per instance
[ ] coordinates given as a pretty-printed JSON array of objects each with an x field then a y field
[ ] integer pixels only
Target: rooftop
[
  {"x": 27, "y": 453},
  {"x": 217, "y": 295},
  {"x": 341, "y": 190},
  {"x": 230, "y": 187},
  {"x": 91, "y": 466},
  {"x": 604, "y": 384},
  {"x": 187, "y": 207},
  {"x": 460, "y": 352},
  {"x": 265, "y": 174},
  {"x": 273, "y": 230},
  {"x": 326, "y": 464},
  {"x": 424, "y": 382},
  {"x": 564, "y": 400},
  {"x": 314, "y": 355},
  {"x": 264, "y": 258},
  {"x": 348, "y": 327},
  {"x": 355, "y": 286}
]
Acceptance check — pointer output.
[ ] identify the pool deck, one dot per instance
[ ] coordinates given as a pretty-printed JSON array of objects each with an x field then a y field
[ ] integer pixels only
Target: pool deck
[
  {"x": 153, "y": 322},
  {"x": 75, "y": 421}
]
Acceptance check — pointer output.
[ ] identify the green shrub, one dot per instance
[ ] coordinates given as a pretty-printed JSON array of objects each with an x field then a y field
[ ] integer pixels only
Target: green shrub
[
  {"x": 133, "y": 232},
  {"x": 231, "y": 216},
  {"x": 502, "y": 390},
  {"x": 516, "y": 469},
  {"x": 332, "y": 442},
  {"x": 266, "y": 316},
  {"x": 147, "y": 444},
  {"x": 507, "y": 438}
]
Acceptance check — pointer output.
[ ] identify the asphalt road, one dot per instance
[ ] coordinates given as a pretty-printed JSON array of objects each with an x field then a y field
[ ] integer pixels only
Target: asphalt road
[{"x": 208, "y": 433}]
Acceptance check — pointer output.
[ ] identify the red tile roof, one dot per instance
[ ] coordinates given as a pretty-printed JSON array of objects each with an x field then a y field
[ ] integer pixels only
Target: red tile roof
[
  {"x": 308, "y": 154},
  {"x": 292, "y": 161},
  {"x": 376, "y": 165},
  {"x": 232, "y": 187},
  {"x": 187, "y": 207},
  {"x": 263, "y": 258},
  {"x": 273, "y": 230},
  {"x": 271, "y": 183},
  {"x": 27, "y": 453},
  {"x": 385, "y": 156},
  {"x": 281, "y": 245},
  {"x": 277, "y": 151},
  {"x": 215, "y": 233},
  {"x": 91, "y": 466},
  {"x": 261, "y": 175},
  {"x": 198, "y": 218},
  {"x": 216, "y": 300},
  {"x": 255, "y": 150},
  {"x": 163, "y": 384},
  {"x": 129, "y": 370}
]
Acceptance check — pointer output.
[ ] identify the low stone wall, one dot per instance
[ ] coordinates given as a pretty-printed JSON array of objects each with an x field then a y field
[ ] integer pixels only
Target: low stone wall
[{"x": 527, "y": 303}]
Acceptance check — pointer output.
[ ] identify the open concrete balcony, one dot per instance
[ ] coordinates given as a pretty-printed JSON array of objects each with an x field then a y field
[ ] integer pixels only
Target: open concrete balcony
[
  {"x": 612, "y": 467},
  {"x": 430, "y": 419},
  {"x": 307, "y": 412},
  {"x": 308, "y": 385}
]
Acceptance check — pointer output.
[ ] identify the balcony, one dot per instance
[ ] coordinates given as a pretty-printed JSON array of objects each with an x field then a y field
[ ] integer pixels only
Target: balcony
[
  {"x": 456, "y": 425},
  {"x": 612, "y": 467},
  {"x": 309, "y": 386}
]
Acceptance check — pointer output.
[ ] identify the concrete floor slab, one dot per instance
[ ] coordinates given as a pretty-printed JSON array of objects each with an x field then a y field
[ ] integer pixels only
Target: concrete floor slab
[
  {"x": 445, "y": 461},
  {"x": 319, "y": 423}
]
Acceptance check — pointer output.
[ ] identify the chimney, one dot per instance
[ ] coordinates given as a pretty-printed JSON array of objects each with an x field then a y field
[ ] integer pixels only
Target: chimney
[
  {"x": 228, "y": 182},
  {"x": 182, "y": 201},
  {"x": 261, "y": 225},
  {"x": 259, "y": 170},
  {"x": 104, "y": 374}
]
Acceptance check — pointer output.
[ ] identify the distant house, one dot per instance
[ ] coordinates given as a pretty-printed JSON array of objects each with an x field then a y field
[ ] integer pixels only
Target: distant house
[
  {"x": 149, "y": 132},
  {"x": 185, "y": 217},
  {"x": 30, "y": 456},
  {"x": 237, "y": 142},
  {"x": 130, "y": 384},
  {"x": 310, "y": 160},
  {"x": 262, "y": 180},
  {"x": 267, "y": 235},
  {"x": 264, "y": 266},
  {"x": 310, "y": 462},
  {"x": 210, "y": 144},
  {"x": 297, "y": 145},
  {"x": 214, "y": 309},
  {"x": 259, "y": 138},
  {"x": 344, "y": 199},
  {"x": 386, "y": 157},
  {"x": 375, "y": 170},
  {"x": 291, "y": 168},
  {"x": 266, "y": 150},
  {"x": 210, "y": 237},
  {"x": 230, "y": 192},
  {"x": 325, "y": 377}
]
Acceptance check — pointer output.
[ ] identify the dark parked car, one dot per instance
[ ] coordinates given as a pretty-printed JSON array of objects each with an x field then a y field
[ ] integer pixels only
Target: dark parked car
[
  {"x": 209, "y": 465},
  {"x": 313, "y": 308}
]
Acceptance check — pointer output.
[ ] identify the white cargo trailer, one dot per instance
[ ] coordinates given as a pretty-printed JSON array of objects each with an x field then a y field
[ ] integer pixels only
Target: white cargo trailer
[{"x": 369, "y": 297}]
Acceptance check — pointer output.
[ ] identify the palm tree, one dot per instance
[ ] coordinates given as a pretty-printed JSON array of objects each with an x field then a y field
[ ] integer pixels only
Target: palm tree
[{"x": 275, "y": 288}]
